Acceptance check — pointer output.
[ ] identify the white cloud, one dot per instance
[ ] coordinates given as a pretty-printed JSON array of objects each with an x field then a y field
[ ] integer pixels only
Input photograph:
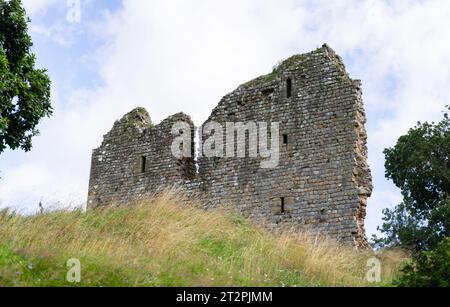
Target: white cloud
[
  {"x": 172, "y": 56},
  {"x": 62, "y": 34},
  {"x": 35, "y": 7}
]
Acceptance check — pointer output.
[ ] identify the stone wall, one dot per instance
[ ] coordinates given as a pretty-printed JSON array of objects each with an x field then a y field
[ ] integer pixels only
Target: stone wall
[
  {"x": 135, "y": 159},
  {"x": 322, "y": 181}
]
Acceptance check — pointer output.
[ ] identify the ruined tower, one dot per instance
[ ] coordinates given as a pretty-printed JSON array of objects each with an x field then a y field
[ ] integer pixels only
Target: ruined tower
[{"x": 321, "y": 182}]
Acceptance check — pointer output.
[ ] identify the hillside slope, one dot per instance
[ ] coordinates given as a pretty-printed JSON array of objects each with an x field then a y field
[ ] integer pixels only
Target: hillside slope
[{"x": 160, "y": 243}]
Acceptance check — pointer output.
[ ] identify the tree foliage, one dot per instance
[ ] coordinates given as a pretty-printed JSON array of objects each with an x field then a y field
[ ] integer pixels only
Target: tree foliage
[
  {"x": 419, "y": 165},
  {"x": 24, "y": 90},
  {"x": 428, "y": 269}
]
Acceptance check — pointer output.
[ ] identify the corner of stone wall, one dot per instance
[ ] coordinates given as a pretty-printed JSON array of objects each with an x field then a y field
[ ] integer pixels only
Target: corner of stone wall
[{"x": 362, "y": 176}]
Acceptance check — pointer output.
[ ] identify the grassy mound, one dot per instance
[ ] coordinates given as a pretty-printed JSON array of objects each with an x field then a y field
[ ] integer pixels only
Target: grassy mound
[{"x": 161, "y": 243}]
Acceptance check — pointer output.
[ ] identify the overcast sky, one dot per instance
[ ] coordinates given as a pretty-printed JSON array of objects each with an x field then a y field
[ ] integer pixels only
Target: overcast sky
[{"x": 182, "y": 55}]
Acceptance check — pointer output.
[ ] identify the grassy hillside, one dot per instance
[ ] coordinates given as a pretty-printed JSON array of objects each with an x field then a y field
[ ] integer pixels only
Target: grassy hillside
[{"x": 160, "y": 243}]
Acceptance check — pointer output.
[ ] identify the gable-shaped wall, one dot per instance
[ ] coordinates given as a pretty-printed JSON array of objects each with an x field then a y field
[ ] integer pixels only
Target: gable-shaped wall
[{"x": 323, "y": 180}]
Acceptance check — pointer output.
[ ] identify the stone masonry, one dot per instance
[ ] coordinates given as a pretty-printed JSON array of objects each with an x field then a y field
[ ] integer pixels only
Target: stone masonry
[{"x": 322, "y": 181}]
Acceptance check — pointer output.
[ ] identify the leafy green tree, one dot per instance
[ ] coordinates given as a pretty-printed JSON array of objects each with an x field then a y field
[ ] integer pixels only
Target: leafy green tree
[
  {"x": 420, "y": 166},
  {"x": 24, "y": 90},
  {"x": 428, "y": 269}
]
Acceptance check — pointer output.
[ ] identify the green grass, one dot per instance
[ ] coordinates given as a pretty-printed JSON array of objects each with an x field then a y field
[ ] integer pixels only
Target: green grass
[{"x": 162, "y": 243}]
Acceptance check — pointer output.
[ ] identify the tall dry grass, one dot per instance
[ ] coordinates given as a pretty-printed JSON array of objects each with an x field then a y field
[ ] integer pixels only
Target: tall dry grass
[{"x": 160, "y": 242}]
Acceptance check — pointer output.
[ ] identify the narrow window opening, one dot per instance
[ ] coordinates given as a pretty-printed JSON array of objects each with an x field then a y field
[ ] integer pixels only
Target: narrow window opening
[
  {"x": 289, "y": 88},
  {"x": 143, "y": 164},
  {"x": 283, "y": 209},
  {"x": 285, "y": 139}
]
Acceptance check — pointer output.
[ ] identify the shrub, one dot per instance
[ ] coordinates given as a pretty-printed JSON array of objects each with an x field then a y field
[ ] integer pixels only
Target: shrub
[{"x": 428, "y": 269}]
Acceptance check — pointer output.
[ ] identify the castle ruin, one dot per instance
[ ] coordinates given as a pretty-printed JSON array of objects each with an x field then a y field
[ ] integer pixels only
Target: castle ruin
[{"x": 321, "y": 183}]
